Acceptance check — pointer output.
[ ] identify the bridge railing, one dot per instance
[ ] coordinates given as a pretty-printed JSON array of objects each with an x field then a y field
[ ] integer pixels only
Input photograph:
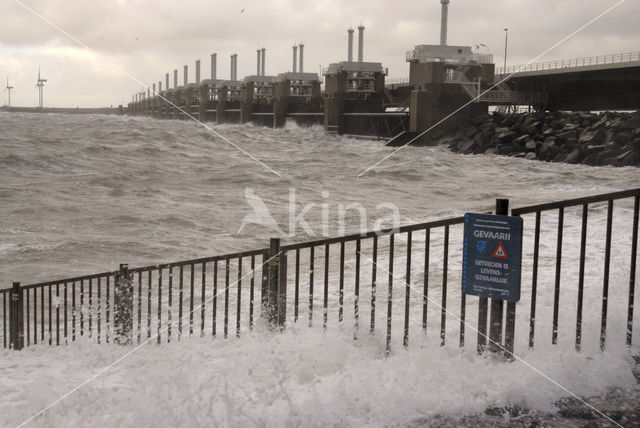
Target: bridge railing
[{"x": 571, "y": 63}]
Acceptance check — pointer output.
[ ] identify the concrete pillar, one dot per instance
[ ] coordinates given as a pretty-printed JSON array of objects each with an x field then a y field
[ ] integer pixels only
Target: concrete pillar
[
  {"x": 154, "y": 100},
  {"x": 258, "y": 63},
  {"x": 222, "y": 103},
  {"x": 246, "y": 106},
  {"x": 204, "y": 102},
  {"x": 281, "y": 91},
  {"x": 171, "y": 107},
  {"x": 197, "y": 72},
  {"x": 360, "y": 43},
  {"x": 295, "y": 59},
  {"x": 188, "y": 100},
  {"x": 161, "y": 101},
  {"x": 424, "y": 109},
  {"x": 214, "y": 65},
  {"x": 178, "y": 102},
  {"x": 443, "y": 22},
  {"x": 301, "y": 46},
  {"x": 333, "y": 121},
  {"x": 315, "y": 89}
]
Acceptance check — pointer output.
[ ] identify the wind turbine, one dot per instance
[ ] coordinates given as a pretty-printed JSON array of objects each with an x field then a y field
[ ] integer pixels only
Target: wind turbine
[
  {"x": 40, "y": 86},
  {"x": 8, "y": 89}
]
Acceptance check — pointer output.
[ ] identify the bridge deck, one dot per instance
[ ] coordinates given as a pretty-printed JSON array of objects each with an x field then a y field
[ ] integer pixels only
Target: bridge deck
[{"x": 567, "y": 69}]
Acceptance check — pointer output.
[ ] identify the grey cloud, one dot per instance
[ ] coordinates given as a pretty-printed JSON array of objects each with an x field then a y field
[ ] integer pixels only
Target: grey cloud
[{"x": 149, "y": 38}]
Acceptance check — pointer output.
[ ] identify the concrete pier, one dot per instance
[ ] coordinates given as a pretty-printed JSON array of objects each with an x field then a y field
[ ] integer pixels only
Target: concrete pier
[
  {"x": 221, "y": 115},
  {"x": 358, "y": 101}
]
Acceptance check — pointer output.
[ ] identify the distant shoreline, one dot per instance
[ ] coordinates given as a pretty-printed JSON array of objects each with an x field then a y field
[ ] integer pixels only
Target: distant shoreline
[{"x": 97, "y": 110}]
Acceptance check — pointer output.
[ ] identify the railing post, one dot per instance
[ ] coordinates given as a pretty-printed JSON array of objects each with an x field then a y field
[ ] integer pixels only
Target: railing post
[
  {"x": 16, "y": 320},
  {"x": 276, "y": 287},
  {"x": 123, "y": 306},
  {"x": 497, "y": 306}
]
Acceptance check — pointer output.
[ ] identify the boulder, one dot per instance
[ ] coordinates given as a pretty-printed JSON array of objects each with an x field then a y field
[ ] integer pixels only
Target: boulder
[
  {"x": 574, "y": 156},
  {"x": 570, "y": 127},
  {"x": 623, "y": 137},
  {"x": 592, "y": 148},
  {"x": 505, "y": 149},
  {"x": 521, "y": 140},
  {"x": 532, "y": 128},
  {"x": 607, "y": 157},
  {"x": 629, "y": 158},
  {"x": 630, "y": 124},
  {"x": 486, "y": 127},
  {"x": 471, "y": 131},
  {"x": 560, "y": 157},
  {"x": 599, "y": 124},
  {"x": 466, "y": 147},
  {"x": 530, "y": 156},
  {"x": 530, "y": 145},
  {"x": 565, "y": 135},
  {"x": 593, "y": 137},
  {"x": 613, "y": 123},
  {"x": 506, "y": 137}
]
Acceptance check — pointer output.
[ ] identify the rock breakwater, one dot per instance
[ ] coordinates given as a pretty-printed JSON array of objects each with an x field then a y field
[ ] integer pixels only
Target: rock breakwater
[{"x": 607, "y": 138}]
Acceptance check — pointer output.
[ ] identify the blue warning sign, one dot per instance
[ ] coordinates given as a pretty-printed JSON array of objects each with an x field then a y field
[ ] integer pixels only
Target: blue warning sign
[{"x": 492, "y": 256}]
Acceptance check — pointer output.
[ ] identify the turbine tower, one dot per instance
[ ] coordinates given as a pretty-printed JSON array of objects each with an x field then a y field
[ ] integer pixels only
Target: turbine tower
[
  {"x": 8, "y": 89},
  {"x": 40, "y": 86}
]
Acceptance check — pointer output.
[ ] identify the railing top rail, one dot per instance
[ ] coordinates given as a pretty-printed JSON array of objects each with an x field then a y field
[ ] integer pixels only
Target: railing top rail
[
  {"x": 575, "y": 202},
  {"x": 67, "y": 280},
  {"x": 571, "y": 63},
  {"x": 200, "y": 260},
  {"x": 371, "y": 234},
  {"x": 146, "y": 268}
]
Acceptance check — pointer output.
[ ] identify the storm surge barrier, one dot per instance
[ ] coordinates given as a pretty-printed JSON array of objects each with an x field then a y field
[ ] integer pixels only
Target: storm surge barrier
[{"x": 399, "y": 286}]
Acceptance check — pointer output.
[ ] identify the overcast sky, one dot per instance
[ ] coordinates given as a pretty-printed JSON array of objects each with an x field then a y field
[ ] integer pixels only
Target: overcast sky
[{"x": 148, "y": 38}]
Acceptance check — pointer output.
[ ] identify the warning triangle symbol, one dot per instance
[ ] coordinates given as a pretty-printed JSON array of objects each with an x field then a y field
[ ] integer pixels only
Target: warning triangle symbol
[{"x": 500, "y": 253}]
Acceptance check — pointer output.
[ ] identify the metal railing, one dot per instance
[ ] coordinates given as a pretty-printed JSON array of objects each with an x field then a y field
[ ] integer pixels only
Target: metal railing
[
  {"x": 586, "y": 205},
  {"x": 412, "y": 55},
  {"x": 397, "y": 81},
  {"x": 62, "y": 311},
  {"x": 411, "y": 274},
  {"x": 571, "y": 63}
]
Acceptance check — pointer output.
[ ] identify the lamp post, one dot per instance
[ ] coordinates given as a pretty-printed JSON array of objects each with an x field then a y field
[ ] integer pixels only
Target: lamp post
[{"x": 506, "y": 38}]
